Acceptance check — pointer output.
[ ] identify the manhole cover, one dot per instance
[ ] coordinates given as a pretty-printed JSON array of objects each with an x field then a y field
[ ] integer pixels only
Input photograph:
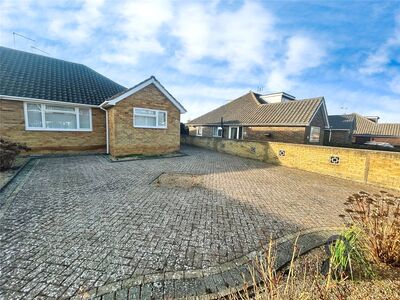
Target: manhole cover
[{"x": 178, "y": 180}]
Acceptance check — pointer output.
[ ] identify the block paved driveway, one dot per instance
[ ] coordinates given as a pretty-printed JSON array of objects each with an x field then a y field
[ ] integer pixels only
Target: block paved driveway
[{"x": 70, "y": 224}]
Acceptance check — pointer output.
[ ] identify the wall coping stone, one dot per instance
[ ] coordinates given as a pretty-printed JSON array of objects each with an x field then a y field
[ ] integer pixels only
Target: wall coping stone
[{"x": 296, "y": 144}]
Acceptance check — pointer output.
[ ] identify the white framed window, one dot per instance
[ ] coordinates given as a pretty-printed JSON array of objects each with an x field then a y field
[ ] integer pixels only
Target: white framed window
[
  {"x": 217, "y": 131},
  {"x": 56, "y": 117},
  {"x": 149, "y": 118},
  {"x": 315, "y": 133},
  {"x": 199, "y": 131},
  {"x": 235, "y": 132}
]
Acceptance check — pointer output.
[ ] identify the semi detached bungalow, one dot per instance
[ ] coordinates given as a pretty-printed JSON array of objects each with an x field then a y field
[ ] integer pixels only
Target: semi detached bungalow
[
  {"x": 272, "y": 117},
  {"x": 356, "y": 129},
  {"x": 55, "y": 106}
]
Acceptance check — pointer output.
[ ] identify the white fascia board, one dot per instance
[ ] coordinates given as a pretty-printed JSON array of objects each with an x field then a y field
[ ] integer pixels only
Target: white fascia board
[
  {"x": 335, "y": 129},
  {"x": 141, "y": 86},
  {"x": 24, "y": 99},
  {"x": 326, "y": 114}
]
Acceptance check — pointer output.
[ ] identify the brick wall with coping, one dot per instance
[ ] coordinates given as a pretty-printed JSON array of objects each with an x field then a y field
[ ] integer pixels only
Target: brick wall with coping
[
  {"x": 290, "y": 134},
  {"x": 281, "y": 133},
  {"x": 12, "y": 126},
  {"x": 380, "y": 168},
  {"x": 125, "y": 139}
]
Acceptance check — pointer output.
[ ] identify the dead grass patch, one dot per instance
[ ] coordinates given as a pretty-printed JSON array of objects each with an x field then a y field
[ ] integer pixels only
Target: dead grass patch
[{"x": 179, "y": 180}]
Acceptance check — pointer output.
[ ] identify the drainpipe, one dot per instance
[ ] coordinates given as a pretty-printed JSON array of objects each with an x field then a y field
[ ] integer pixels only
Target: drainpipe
[
  {"x": 222, "y": 127},
  {"x": 107, "y": 134}
]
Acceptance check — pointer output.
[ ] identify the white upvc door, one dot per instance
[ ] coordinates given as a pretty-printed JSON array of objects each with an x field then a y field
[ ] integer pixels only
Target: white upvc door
[{"x": 234, "y": 132}]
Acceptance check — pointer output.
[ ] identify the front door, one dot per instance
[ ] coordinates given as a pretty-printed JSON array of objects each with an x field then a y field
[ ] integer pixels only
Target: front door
[{"x": 235, "y": 133}]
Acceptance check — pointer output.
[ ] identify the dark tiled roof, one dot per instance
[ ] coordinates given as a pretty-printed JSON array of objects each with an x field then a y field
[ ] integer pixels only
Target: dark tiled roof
[
  {"x": 29, "y": 75},
  {"x": 361, "y": 125},
  {"x": 250, "y": 109},
  {"x": 341, "y": 121}
]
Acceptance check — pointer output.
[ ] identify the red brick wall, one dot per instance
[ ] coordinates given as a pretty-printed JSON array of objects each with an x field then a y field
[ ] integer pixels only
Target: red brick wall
[{"x": 395, "y": 141}]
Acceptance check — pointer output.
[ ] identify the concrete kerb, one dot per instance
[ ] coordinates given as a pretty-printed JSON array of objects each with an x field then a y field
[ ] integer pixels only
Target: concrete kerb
[
  {"x": 27, "y": 166},
  {"x": 15, "y": 174},
  {"x": 138, "y": 158},
  {"x": 306, "y": 240}
]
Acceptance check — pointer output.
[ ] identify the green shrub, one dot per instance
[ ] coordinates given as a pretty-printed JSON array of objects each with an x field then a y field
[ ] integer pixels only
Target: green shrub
[
  {"x": 347, "y": 255},
  {"x": 8, "y": 153}
]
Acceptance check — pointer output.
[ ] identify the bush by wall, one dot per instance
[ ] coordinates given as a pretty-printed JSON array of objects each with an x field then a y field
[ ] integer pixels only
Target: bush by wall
[{"x": 8, "y": 153}]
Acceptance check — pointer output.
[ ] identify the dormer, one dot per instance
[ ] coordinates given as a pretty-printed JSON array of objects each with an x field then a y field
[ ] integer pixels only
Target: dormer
[
  {"x": 277, "y": 97},
  {"x": 373, "y": 118}
]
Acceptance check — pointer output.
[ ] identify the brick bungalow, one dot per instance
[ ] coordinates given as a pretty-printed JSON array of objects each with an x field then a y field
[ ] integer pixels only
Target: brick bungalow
[
  {"x": 272, "y": 117},
  {"x": 55, "y": 106},
  {"x": 356, "y": 129}
]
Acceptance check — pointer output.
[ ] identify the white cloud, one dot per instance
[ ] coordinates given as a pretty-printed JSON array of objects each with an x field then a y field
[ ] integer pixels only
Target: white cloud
[
  {"x": 200, "y": 98},
  {"x": 340, "y": 100},
  {"x": 138, "y": 24},
  {"x": 394, "y": 84},
  {"x": 76, "y": 26},
  {"x": 9, "y": 20},
  {"x": 234, "y": 40},
  {"x": 379, "y": 61},
  {"x": 302, "y": 53}
]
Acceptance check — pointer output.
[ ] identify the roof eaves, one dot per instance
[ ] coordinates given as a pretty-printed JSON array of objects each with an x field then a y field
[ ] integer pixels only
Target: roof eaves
[
  {"x": 251, "y": 124},
  {"x": 151, "y": 80},
  {"x": 26, "y": 99}
]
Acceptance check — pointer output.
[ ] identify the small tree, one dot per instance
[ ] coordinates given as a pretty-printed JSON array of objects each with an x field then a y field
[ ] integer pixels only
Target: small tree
[
  {"x": 9, "y": 152},
  {"x": 184, "y": 129}
]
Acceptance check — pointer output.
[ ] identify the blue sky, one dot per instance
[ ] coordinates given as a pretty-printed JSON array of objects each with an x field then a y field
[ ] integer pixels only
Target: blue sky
[{"x": 209, "y": 52}]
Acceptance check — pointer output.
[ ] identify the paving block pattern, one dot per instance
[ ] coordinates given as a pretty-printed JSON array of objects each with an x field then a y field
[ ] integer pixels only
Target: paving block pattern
[{"x": 70, "y": 225}]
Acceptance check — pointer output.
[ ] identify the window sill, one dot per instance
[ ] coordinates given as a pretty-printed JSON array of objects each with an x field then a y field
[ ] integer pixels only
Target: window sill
[
  {"x": 60, "y": 130},
  {"x": 150, "y": 127}
]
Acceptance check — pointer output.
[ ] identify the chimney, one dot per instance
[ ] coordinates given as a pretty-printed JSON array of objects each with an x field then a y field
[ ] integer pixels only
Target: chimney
[
  {"x": 373, "y": 118},
  {"x": 278, "y": 97}
]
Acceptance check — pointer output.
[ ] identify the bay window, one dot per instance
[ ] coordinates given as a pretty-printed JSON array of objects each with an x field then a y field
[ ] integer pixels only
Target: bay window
[
  {"x": 149, "y": 118},
  {"x": 49, "y": 117}
]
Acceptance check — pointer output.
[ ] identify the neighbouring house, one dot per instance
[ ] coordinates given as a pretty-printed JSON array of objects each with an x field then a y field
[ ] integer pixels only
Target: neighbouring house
[
  {"x": 272, "y": 117},
  {"x": 356, "y": 129},
  {"x": 56, "y": 106}
]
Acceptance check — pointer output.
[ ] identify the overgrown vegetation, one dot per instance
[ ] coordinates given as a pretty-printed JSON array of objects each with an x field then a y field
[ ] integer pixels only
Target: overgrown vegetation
[
  {"x": 9, "y": 152},
  {"x": 347, "y": 255},
  {"x": 306, "y": 282},
  {"x": 362, "y": 263},
  {"x": 378, "y": 217}
]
